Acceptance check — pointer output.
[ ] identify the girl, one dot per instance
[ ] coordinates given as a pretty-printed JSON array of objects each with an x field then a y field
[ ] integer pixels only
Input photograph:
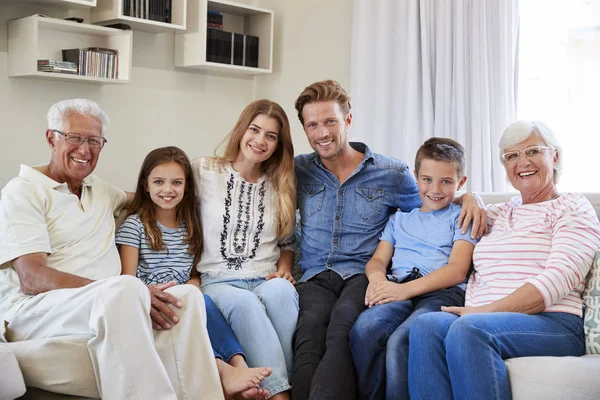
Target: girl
[
  {"x": 247, "y": 200},
  {"x": 161, "y": 239}
]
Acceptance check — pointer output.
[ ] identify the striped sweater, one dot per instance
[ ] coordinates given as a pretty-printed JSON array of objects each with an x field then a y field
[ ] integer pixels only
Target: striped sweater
[{"x": 550, "y": 245}]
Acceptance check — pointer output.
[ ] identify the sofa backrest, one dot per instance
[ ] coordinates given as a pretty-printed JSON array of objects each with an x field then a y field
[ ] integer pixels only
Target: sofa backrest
[{"x": 494, "y": 198}]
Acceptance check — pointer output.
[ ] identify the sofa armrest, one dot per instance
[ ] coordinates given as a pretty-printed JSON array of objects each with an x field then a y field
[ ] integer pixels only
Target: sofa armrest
[
  {"x": 11, "y": 378},
  {"x": 554, "y": 378},
  {"x": 59, "y": 364}
]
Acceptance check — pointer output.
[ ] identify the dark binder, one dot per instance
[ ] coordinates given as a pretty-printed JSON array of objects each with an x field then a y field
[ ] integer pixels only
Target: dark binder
[
  {"x": 238, "y": 49},
  {"x": 251, "y": 51}
]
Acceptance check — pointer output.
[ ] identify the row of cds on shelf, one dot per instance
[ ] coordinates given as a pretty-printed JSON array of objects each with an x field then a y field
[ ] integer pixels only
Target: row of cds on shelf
[{"x": 92, "y": 61}]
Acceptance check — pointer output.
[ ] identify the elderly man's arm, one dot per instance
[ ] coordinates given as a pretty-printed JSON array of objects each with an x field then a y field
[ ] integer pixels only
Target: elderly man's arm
[
  {"x": 36, "y": 277},
  {"x": 129, "y": 201}
]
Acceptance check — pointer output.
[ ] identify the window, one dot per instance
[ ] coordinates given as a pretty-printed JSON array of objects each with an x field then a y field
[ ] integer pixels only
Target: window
[{"x": 559, "y": 82}]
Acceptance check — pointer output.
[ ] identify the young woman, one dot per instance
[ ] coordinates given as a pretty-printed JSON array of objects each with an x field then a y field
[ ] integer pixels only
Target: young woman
[
  {"x": 247, "y": 202},
  {"x": 161, "y": 239}
]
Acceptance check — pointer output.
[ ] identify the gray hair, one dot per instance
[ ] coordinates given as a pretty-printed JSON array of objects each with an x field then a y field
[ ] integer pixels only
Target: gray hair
[
  {"x": 58, "y": 113},
  {"x": 519, "y": 131}
]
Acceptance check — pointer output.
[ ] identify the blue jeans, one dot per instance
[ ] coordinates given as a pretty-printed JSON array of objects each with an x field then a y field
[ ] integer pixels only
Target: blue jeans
[
  {"x": 379, "y": 342},
  {"x": 463, "y": 358},
  {"x": 263, "y": 315},
  {"x": 222, "y": 338}
]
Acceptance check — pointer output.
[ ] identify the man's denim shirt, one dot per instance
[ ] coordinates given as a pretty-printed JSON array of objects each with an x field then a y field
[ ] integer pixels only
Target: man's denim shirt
[{"x": 341, "y": 223}]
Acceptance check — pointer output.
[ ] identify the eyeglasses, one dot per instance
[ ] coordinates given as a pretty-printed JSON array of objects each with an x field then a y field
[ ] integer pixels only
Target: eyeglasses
[
  {"x": 530, "y": 152},
  {"x": 95, "y": 142}
]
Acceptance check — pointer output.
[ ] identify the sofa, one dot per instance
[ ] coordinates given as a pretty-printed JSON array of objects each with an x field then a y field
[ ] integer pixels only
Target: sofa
[{"x": 62, "y": 365}]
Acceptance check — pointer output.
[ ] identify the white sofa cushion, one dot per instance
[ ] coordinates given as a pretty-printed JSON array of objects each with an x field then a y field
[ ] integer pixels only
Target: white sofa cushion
[
  {"x": 60, "y": 365},
  {"x": 556, "y": 378}
]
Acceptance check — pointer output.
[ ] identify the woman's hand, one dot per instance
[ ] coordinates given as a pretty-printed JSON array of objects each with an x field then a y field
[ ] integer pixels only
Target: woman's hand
[
  {"x": 461, "y": 311},
  {"x": 282, "y": 274},
  {"x": 194, "y": 281}
]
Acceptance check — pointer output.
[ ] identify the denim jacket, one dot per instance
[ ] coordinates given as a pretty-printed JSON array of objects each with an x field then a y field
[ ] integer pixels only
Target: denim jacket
[{"x": 341, "y": 223}]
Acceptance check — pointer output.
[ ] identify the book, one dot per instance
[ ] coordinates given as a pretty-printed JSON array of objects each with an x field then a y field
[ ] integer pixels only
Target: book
[
  {"x": 237, "y": 56},
  {"x": 92, "y": 61},
  {"x": 214, "y": 19},
  {"x": 251, "y": 51},
  {"x": 64, "y": 67}
]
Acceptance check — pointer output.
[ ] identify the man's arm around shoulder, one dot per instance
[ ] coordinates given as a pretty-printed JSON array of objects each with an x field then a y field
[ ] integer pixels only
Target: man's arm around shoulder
[{"x": 36, "y": 277}]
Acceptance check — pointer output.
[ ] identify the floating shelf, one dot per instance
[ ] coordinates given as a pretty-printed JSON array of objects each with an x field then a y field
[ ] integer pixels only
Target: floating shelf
[
  {"x": 64, "y": 3},
  {"x": 190, "y": 47},
  {"x": 36, "y": 37},
  {"x": 108, "y": 12}
]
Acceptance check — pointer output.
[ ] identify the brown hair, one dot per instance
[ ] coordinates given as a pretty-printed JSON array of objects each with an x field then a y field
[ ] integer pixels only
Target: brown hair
[
  {"x": 186, "y": 209},
  {"x": 442, "y": 149},
  {"x": 323, "y": 91},
  {"x": 279, "y": 167}
]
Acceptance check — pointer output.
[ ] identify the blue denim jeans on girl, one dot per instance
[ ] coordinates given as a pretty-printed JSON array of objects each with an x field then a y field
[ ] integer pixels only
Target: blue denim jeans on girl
[{"x": 263, "y": 315}]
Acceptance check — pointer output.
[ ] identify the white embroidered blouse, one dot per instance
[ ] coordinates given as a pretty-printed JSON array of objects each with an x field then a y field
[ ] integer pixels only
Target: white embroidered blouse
[{"x": 238, "y": 222}]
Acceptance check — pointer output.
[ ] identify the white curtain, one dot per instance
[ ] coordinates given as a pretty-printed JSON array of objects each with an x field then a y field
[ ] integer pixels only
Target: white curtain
[{"x": 446, "y": 68}]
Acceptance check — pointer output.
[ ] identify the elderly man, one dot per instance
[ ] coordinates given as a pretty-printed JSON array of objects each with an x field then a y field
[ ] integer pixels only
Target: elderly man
[{"x": 60, "y": 274}]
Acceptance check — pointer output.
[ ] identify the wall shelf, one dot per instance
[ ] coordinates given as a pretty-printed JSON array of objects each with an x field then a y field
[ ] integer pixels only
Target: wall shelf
[
  {"x": 36, "y": 37},
  {"x": 108, "y": 12},
  {"x": 190, "y": 47},
  {"x": 75, "y": 4}
]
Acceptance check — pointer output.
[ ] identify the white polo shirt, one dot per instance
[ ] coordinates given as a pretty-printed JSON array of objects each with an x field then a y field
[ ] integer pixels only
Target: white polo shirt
[{"x": 38, "y": 214}]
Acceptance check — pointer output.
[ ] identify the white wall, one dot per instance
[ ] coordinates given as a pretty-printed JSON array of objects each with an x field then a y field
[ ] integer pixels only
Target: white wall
[
  {"x": 313, "y": 40},
  {"x": 163, "y": 106}
]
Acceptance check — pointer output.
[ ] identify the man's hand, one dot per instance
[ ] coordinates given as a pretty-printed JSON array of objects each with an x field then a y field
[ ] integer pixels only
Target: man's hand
[
  {"x": 282, "y": 274},
  {"x": 387, "y": 292},
  {"x": 472, "y": 211},
  {"x": 160, "y": 312}
]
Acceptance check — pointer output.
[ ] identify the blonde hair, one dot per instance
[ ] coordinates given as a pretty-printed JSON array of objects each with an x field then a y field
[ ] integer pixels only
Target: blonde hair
[
  {"x": 323, "y": 91},
  {"x": 279, "y": 167}
]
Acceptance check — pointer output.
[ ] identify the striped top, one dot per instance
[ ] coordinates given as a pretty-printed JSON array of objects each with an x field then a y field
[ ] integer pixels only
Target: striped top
[
  {"x": 550, "y": 245},
  {"x": 171, "y": 264}
]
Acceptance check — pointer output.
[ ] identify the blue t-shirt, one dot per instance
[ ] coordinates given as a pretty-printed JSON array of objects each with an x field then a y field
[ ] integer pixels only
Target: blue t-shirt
[
  {"x": 174, "y": 263},
  {"x": 423, "y": 239}
]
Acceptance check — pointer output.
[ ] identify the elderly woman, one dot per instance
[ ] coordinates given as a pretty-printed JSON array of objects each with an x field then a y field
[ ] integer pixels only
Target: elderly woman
[{"x": 524, "y": 296}]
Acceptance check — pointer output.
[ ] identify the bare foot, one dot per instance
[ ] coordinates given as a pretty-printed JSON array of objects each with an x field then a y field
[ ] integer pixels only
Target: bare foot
[
  {"x": 255, "y": 393},
  {"x": 243, "y": 381}
]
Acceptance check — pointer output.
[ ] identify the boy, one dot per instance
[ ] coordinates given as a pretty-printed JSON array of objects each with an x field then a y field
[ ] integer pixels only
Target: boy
[{"x": 430, "y": 260}]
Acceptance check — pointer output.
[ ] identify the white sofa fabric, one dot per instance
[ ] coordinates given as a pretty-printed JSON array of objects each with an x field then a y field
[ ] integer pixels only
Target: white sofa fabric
[
  {"x": 62, "y": 365},
  {"x": 12, "y": 384}
]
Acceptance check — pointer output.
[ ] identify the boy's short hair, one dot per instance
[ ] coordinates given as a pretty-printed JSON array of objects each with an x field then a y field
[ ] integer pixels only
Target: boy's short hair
[
  {"x": 442, "y": 149},
  {"x": 323, "y": 91}
]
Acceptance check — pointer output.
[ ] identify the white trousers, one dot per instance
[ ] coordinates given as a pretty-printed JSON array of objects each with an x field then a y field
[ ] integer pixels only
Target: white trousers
[{"x": 130, "y": 359}]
